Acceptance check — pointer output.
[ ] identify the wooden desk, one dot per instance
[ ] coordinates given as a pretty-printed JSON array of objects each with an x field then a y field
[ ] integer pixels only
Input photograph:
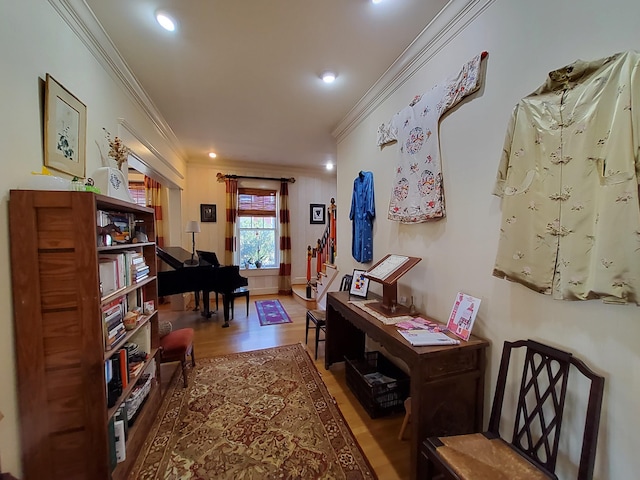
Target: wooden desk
[{"x": 447, "y": 382}]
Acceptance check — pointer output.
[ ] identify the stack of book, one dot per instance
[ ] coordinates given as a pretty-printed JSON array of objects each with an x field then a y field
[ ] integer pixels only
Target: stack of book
[
  {"x": 112, "y": 316},
  {"x": 139, "y": 268}
]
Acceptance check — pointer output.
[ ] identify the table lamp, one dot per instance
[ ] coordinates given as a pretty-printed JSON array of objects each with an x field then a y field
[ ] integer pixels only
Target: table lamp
[{"x": 193, "y": 227}]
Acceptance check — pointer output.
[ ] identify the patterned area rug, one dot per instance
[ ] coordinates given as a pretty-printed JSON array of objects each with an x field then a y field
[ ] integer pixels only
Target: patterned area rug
[
  {"x": 271, "y": 312},
  {"x": 255, "y": 415}
]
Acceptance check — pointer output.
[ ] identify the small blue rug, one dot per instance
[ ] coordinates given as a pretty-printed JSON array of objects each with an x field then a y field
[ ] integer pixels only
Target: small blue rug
[{"x": 271, "y": 312}]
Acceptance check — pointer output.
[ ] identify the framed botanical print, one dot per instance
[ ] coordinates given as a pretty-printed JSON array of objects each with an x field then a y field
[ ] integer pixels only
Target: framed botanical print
[
  {"x": 316, "y": 213},
  {"x": 207, "y": 212},
  {"x": 65, "y": 130},
  {"x": 359, "y": 284}
]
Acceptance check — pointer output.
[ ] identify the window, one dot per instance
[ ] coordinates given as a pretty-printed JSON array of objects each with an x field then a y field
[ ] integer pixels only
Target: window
[
  {"x": 136, "y": 189},
  {"x": 257, "y": 228}
]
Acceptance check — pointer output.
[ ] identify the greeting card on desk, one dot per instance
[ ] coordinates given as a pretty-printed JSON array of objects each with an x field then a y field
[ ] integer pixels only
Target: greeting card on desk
[
  {"x": 463, "y": 314},
  {"x": 424, "y": 338}
]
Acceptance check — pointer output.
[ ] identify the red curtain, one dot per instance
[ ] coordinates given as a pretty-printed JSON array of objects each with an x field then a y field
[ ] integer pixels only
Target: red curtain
[
  {"x": 284, "y": 273},
  {"x": 153, "y": 191},
  {"x": 231, "y": 185}
]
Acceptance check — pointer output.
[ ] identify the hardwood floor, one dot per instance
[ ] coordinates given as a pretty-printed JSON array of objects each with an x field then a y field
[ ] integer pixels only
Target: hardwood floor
[{"x": 378, "y": 438}]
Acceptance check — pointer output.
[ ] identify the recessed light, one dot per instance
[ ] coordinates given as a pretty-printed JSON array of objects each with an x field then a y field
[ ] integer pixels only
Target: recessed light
[
  {"x": 329, "y": 166},
  {"x": 376, "y": 1},
  {"x": 165, "y": 20},
  {"x": 212, "y": 155},
  {"x": 328, "y": 77}
]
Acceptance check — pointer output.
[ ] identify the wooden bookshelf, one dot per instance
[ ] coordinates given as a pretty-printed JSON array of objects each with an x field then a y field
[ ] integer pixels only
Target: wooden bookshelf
[{"x": 59, "y": 334}]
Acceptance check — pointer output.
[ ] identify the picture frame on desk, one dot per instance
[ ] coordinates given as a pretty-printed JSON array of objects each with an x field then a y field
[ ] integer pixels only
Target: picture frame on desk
[{"x": 359, "y": 284}]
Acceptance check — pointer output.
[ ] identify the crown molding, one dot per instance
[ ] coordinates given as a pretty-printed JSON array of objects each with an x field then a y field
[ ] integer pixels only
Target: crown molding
[
  {"x": 449, "y": 23},
  {"x": 83, "y": 22}
]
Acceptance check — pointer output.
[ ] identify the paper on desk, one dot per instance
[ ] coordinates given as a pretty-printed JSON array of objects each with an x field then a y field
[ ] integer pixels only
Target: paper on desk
[{"x": 423, "y": 338}]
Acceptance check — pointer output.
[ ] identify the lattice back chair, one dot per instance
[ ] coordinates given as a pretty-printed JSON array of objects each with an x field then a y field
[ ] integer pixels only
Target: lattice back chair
[
  {"x": 318, "y": 317},
  {"x": 533, "y": 450}
]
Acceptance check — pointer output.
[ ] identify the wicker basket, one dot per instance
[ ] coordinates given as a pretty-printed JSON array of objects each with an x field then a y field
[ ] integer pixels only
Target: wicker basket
[
  {"x": 380, "y": 386},
  {"x": 138, "y": 396}
]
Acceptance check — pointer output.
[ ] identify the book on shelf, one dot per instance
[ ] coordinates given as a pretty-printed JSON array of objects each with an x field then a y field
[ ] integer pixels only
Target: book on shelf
[
  {"x": 423, "y": 338},
  {"x": 121, "y": 448},
  {"x": 124, "y": 367},
  {"x": 113, "y": 460}
]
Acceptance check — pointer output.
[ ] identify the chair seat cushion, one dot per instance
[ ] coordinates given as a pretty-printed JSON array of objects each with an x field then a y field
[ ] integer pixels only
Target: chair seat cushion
[
  {"x": 317, "y": 316},
  {"x": 475, "y": 457},
  {"x": 176, "y": 343}
]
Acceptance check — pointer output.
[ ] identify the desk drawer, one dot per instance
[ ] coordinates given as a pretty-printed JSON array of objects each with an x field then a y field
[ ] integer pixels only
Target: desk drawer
[{"x": 456, "y": 362}]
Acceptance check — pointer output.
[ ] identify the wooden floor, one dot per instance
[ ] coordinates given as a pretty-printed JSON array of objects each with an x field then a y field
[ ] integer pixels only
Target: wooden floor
[{"x": 378, "y": 438}]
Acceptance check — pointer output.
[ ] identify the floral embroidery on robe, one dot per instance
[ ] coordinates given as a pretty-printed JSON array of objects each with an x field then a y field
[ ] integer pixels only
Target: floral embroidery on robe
[
  {"x": 417, "y": 194},
  {"x": 568, "y": 179}
]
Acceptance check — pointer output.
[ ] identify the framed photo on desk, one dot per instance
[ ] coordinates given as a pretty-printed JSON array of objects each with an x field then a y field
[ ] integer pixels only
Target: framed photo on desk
[{"x": 359, "y": 284}]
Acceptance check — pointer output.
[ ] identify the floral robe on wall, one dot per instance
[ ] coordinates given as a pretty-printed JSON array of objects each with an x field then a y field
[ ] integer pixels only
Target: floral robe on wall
[
  {"x": 568, "y": 179},
  {"x": 417, "y": 194}
]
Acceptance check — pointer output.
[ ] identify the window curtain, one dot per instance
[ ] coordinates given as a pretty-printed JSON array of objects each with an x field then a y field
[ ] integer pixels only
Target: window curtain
[
  {"x": 153, "y": 191},
  {"x": 284, "y": 274},
  {"x": 231, "y": 185}
]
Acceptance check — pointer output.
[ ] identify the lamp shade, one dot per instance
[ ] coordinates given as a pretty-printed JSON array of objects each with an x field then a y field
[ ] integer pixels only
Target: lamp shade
[{"x": 192, "y": 227}]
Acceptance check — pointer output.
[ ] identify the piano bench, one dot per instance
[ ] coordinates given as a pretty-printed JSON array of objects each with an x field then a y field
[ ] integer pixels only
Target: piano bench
[
  {"x": 176, "y": 347},
  {"x": 238, "y": 292}
]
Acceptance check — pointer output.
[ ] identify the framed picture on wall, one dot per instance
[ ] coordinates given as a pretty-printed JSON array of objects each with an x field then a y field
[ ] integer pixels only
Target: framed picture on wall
[
  {"x": 207, "y": 212},
  {"x": 359, "y": 284},
  {"x": 65, "y": 130},
  {"x": 316, "y": 213}
]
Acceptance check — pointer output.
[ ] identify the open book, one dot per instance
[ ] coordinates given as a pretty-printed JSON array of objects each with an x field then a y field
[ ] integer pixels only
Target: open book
[{"x": 423, "y": 338}]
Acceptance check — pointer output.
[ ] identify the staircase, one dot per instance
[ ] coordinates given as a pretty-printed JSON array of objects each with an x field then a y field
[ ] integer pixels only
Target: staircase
[{"x": 313, "y": 294}]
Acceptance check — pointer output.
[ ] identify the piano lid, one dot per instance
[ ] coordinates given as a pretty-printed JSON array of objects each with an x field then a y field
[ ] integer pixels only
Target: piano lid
[{"x": 176, "y": 256}]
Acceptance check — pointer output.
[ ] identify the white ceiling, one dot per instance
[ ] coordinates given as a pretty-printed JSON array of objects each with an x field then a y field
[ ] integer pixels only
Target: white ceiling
[{"x": 241, "y": 77}]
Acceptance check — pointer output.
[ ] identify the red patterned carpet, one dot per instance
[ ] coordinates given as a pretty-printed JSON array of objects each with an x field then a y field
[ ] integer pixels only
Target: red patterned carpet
[{"x": 254, "y": 415}]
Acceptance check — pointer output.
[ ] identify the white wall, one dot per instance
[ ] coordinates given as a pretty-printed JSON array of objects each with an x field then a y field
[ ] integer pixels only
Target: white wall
[
  {"x": 525, "y": 40},
  {"x": 34, "y": 41},
  {"x": 310, "y": 187}
]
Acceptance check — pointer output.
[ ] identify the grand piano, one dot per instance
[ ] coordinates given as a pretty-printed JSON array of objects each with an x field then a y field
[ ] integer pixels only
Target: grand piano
[{"x": 204, "y": 277}]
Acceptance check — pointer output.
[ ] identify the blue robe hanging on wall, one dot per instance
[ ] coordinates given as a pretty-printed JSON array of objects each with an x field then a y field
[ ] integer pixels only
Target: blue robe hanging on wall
[{"x": 363, "y": 211}]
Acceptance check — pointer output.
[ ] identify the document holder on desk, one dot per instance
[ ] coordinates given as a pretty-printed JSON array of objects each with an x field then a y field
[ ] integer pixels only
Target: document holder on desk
[{"x": 387, "y": 272}]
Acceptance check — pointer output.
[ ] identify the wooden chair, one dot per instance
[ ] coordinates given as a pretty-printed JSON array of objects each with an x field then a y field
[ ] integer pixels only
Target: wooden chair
[
  {"x": 533, "y": 450},
  {"x": 318, "y": 317},
  {"x": 176, "y": 347}
]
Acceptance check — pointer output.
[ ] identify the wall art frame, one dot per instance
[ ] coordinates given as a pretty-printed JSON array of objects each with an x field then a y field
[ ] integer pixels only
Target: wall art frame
[
  {"x": 65, "y": 130},
  {"x": 207, "y": 212},
  {"x": 317, "y": 214}
]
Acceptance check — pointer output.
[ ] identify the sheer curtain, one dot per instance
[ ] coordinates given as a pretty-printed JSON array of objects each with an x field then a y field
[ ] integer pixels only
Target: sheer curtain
[
  {"x": 153, "y": 191},
  {"x": 231, "y": 185},
  {"x": 284, "y": 274}
]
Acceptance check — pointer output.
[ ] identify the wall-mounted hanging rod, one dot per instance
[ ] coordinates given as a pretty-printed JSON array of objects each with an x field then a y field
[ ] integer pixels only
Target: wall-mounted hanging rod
[{"x": 222, "y": 177}]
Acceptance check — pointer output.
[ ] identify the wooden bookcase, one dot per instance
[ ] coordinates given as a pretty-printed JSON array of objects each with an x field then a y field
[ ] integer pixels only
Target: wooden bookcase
[{"x": 59, "y": 338}]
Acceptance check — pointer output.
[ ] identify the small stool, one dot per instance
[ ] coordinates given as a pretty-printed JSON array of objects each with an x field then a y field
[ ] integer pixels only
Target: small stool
[
  {"x": 176, "y": 347},
  {"x": 238, "y": 292}
]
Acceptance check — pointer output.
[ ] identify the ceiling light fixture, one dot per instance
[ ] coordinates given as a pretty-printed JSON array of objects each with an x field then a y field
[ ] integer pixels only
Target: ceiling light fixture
[
  {"x": 165, "y": 21},
  {"x": 212, "y": 155},
  {"x": 329, "y": 166},
  {"x": 376, "y": 1},
  {"x": 328, "y": 77}
]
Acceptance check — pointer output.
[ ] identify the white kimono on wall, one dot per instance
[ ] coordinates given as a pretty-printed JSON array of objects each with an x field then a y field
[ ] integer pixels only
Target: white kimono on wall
[
  {"x": 417, "y": 194},
  {"x": 568, "y": 179}
]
